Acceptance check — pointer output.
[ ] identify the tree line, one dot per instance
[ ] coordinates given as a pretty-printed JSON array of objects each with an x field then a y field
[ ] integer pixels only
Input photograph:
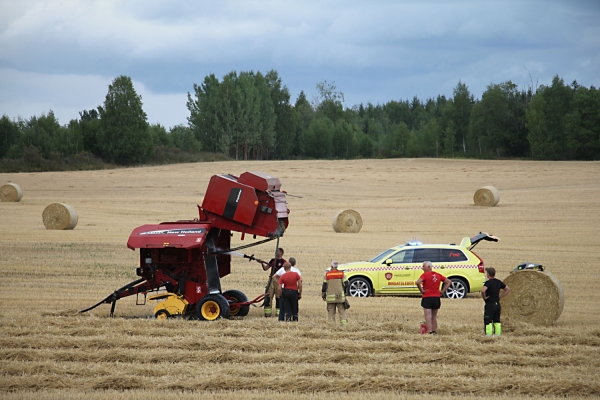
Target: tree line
[{"x": 250, "y": 116}]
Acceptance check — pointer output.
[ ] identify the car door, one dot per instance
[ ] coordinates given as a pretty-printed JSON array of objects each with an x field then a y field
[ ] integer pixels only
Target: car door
[
  {"x": 432, "y": 254},
  {"x": 397, "y": 274},
  {"x": 458, "y": 265}
]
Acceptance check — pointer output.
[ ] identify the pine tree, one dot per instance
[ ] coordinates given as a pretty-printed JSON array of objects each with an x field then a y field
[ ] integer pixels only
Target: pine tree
[{"x": 124, "y": 134}]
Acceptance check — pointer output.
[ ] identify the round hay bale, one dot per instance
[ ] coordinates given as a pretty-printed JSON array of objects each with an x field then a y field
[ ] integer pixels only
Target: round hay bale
[
  {"x": 347, "y": 221},
  {"x": 11, "y": 192},
  {"x": 487, "y": 196},
  {"x": 535, "y": 297},
  {"x": 59, "y": 216}
]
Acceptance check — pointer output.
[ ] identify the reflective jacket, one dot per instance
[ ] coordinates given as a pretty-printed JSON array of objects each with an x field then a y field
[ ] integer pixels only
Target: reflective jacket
[{"x": 334, "y": 285}]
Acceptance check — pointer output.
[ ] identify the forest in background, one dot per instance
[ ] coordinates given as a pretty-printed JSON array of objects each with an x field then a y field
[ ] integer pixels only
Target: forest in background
[{"x": 250, "y": 116}]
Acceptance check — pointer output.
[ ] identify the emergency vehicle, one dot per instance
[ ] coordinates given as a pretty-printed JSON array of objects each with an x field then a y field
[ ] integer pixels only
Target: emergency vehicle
[{"x": 396, "y": 270}]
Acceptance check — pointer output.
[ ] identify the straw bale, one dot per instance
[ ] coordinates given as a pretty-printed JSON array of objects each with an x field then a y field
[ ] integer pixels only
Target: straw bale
[
  {"x": 487, "y": 196},
  {"x": 536, "y": 297},
  {"x": 347, "y": 221},
  {"x": 11, "y": 192},
  {"x": 59, "y": 216}
]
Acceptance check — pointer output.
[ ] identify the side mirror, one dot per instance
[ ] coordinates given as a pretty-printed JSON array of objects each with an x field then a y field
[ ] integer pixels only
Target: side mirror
[{"x": 388, "y": 261}]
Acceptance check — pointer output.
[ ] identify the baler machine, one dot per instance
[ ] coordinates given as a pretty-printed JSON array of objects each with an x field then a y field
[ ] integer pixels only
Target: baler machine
[{"x": 188, "y": 258}]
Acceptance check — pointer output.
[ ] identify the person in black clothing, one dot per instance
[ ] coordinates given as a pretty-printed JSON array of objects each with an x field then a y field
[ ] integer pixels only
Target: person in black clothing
[
  {"x": 273, "y": 282},
  {"x": 491, "y": 295}
]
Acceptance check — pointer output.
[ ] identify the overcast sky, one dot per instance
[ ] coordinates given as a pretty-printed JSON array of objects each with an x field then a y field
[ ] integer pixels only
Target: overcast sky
[{"x": 61, "y": 55}]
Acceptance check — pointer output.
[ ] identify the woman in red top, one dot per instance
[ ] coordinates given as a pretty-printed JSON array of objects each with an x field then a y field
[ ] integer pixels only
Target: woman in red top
[
  {"x": 429, "y": 286},
  {"x": 291, "y": 291}
]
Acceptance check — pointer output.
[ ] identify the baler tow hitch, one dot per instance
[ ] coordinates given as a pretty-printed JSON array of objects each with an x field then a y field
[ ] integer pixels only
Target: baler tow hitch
[{"x": 116, "y": 295}]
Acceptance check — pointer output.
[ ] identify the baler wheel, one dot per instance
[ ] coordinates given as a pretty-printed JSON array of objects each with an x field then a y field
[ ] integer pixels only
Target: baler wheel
[
  {"x": 212, "y": 307},
  {"x": 237, "y": 296},
  {"x": 162, "y": 315}
]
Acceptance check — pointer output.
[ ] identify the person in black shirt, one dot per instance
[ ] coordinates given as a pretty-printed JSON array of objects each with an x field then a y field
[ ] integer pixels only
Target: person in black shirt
[
  {"x": 491, "y": 295},
  {"x": 271, "y": 290}
]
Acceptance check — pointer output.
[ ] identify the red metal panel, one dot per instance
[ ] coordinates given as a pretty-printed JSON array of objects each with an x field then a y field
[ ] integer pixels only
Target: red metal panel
[
  {"x": 217, "y": 193},
  {"x": 260, "y": 181},
  {"x": 194, "y": 291},
  {"x": 218, "y": 200},
  {"x": 182, "y": 235}
]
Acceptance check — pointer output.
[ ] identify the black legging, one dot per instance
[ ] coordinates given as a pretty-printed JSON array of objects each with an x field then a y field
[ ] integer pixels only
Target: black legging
[
  {"x": 491, "y": 313},
  {"x": 290, "y": 301}
]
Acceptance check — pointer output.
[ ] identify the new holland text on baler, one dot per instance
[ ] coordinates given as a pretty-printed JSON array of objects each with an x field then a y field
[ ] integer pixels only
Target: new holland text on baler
[{"x": 188, "y": 258}]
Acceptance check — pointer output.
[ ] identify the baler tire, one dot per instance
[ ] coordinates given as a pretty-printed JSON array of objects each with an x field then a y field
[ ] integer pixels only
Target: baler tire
[
  {"x": 237, "y": 296},
  {"x": 212, "y": 307},
  {"x": 162, "y": 315}
]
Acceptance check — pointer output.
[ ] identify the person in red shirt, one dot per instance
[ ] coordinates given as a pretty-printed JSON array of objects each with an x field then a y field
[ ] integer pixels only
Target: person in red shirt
[
  {"x": 429, "y": 286},
  {"x": 291, "y": 291}
]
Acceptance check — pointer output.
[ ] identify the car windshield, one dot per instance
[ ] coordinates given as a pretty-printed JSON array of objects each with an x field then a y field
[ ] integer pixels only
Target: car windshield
[{"x": 382, "y": 256}]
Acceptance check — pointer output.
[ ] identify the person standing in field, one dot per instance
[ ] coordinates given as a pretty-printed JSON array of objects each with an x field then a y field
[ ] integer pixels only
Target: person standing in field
[
  {"x": 291, "y": 292},
  {"x": 279, "y": 273},
  {"x": 333, "y": 292},
  {"x": 429, "y": 286},
  {"x": 271, "y": 290},
  {"x": 491, "y": 295}
]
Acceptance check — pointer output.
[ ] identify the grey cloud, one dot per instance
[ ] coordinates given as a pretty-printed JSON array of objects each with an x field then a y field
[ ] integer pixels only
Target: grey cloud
[{"x": 375, "y": 51}]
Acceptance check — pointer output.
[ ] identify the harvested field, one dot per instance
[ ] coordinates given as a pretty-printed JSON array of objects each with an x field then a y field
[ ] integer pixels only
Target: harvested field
[{"x": 549, "y": 214}]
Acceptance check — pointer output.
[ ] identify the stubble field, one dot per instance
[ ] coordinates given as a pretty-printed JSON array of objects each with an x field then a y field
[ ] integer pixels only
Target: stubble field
[{"x": 549, "y": 213}]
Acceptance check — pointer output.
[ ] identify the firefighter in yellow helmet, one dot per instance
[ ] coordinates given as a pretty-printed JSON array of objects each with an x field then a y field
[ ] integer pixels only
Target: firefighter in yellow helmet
[{"x": 334, "y": 292}]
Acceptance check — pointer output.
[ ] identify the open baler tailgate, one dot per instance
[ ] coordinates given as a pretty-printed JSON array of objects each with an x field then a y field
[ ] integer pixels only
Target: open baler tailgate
[
  {"x": 179, "y": 235},
  {"x": 251, "y": 204}
]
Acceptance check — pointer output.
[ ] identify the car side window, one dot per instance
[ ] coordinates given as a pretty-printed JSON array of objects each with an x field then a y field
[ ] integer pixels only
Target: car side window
[
  {"x": 454, "y": 255},
  {"x": 404, "y": 256},
  {"x": 433, "y": 255}
]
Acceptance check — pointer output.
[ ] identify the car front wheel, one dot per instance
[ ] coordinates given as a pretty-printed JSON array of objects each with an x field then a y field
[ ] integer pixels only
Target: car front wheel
[
  {"x": 457, "y": 290},
  {"x": 359, "y": 287}
]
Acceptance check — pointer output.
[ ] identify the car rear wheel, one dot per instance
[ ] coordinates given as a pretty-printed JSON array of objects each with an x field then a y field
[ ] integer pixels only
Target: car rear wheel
[
  {"x": 359, "y": 287},
  {"x": 458, "y": 289}
]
